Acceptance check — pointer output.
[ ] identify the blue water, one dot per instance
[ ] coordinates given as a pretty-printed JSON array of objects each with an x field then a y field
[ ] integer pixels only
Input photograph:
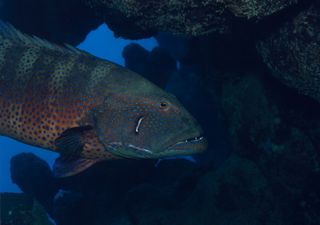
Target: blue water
[{"x": 101, "y": 43}]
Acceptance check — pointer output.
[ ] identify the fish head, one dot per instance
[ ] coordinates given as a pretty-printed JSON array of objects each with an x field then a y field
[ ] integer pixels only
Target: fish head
[{"x": 147, "y": 125}]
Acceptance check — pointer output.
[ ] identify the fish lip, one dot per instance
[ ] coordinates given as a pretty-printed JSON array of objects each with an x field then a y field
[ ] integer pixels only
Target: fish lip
[{"x": 199, "y": 142}]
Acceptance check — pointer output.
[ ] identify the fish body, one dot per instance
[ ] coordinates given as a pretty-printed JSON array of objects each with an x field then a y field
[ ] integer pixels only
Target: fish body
[{"x": 86, "y": 108}]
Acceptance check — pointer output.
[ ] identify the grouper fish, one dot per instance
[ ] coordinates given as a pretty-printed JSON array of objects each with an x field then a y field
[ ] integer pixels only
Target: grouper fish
[{"x": 87, "y": 109}]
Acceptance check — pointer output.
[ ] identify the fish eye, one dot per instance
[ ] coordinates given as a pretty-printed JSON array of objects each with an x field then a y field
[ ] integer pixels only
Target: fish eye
[{"x": 163, "y": 105}]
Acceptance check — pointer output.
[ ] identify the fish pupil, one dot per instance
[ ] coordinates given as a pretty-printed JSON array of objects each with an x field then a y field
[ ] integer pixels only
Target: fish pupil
[{"x": 163, "y": 104}]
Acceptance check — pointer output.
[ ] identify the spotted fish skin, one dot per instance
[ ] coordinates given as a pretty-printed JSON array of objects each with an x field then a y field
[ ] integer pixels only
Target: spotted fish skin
[
  {"x": 46, "y": 89},
  {"x": 86, "y": 108}
]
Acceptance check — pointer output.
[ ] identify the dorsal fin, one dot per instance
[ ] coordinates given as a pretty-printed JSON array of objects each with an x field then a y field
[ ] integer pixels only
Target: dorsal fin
[{"x": 9, "y": 32}]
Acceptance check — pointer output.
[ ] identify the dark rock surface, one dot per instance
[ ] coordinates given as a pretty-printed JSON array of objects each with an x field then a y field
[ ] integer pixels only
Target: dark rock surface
[
  {"x": 277, "y": 129},
  {"x": 194, "y": 18},
  {"x": 268, "y": 124},
  {"x": 21, "y": 209},
  {"x": 293, "y": 52},
  {"x": 256, "y": 8},
  {"x": 55, "y": 20},
  {"x": 176, "y": 192},
  {"x": 69, "y": 21},
  {"x": 99, "y": 195},
  {"x": 237, "y": 193}
]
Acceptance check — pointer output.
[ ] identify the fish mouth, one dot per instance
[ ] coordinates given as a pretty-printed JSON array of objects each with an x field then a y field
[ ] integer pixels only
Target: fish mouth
[{"x": 187, "y": 146}]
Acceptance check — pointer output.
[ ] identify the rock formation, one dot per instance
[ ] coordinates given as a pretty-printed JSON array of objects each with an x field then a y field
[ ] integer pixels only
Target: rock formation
[
  {"x": 137, "y": 19},
  {"x": 55, "y": 20},
  {"x": 21, "y": 209},
  {"x": 293, "y": 52}
]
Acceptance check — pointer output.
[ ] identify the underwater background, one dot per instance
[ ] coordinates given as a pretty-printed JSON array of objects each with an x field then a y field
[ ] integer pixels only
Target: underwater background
[{"x": 248, "y": 71}]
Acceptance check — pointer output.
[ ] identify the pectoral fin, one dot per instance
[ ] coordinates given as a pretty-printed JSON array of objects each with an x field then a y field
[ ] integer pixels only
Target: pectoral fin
[
  {"x": 66, "y": 166},
  {"x": 71, "y": 141}
]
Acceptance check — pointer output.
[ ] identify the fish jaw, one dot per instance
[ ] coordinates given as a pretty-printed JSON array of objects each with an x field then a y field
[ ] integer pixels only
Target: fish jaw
[{"x": 185, "y": 147}]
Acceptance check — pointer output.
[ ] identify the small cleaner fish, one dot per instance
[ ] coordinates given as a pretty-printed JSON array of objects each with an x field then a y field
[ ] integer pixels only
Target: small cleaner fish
[{"x": 87, "y": 109}]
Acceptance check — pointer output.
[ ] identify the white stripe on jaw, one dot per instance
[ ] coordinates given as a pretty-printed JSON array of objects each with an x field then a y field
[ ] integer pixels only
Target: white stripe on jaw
[
  {"x": 139, "y": 123},
  {"x": 140, "y": 149}
]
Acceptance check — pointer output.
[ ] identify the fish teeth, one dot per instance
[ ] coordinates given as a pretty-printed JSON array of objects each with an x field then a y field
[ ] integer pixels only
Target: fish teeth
[{"x": 193, "y": 139}]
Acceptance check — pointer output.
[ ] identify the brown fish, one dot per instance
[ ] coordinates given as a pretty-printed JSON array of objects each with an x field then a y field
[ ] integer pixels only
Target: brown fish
[{"x": 85, "y": 108}]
